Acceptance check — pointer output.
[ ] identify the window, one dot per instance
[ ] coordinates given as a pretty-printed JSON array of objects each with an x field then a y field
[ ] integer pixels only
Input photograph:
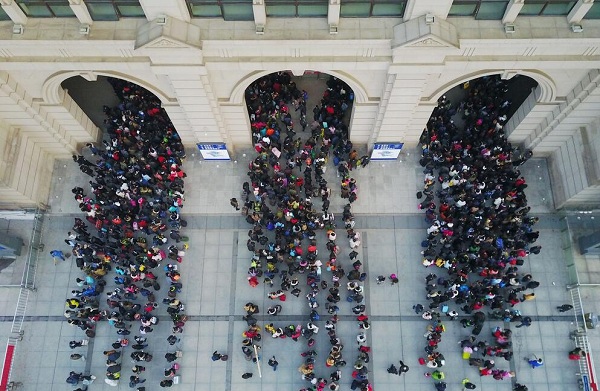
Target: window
[
  {"x": 372, "y": 8},
  {"x": 226, "y": 9},
  {"x": 480, "y": 9},
  {"x": 546, "y": 8},
  {"x": 594, "y": 12},
  {"x": 296, "y": 8},
  {"x": 3, "y": 15},
  {"x": 114, "y": 9},
  {"x": 46, "y": 9}
]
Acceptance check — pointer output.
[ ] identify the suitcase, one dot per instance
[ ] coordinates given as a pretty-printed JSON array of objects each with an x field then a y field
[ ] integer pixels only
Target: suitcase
[
  {"x": 176, "y": 379},
  {"x": 421, "y": 361},
  {"x": 445, "y": 308},
  {"x": 179, "y": 354}
]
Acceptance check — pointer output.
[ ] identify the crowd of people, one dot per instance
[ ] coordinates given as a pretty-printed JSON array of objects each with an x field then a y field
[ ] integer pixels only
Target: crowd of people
[
  {"x": 480, "y": 229},
  {"x": 285, "y": 179},
  {"x": 473, "y": 199},
  {"x": 130, "y": 235}
]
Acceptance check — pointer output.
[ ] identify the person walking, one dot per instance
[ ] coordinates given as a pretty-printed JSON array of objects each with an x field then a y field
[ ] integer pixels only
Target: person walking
[
  {"x": 218, "y": 356},
  {"x": 77, "y": 356},
  {"x": 234, "y": 202},
  {"x": 392, "y": 370},
  {"x": 273, "y": 363},
  {"x": 564, "y": 308},
  {"x": 135, "y": 380},
  {"x": 527, "y": 297},
  {"x": 535, "y": 362},
  {"x": 57, "y": 254},
  {"x": 467, "y": 385},
  {"x": 526, "y": 321},
  {"x": 247, "y": 375}
]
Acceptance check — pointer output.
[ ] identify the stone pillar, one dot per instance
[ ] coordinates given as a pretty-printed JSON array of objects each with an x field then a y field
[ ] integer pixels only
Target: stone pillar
[
  {"x": 512, "y": 11},
  {"x": 196, "y": 115},
  {"x": 416, "y": 8},
  {"x": 333, "y": 13},
  {"x": 13, "y": 10},
  {"x": 579, "y": 10},
  {"x": 364, "y": 116},
  {"x": 60, "y": 127},
  {"x": 401, "y": 96},
  {"x": 81, "y": 11},
  {"x": 260, "y": 14},
  {"x": 173, "y": 8},
  {"x": 25, "y": 169}
]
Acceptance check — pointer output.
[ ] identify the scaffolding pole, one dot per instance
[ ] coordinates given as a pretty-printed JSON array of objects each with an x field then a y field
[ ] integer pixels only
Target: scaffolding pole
[{"x": 257, "y": 361}]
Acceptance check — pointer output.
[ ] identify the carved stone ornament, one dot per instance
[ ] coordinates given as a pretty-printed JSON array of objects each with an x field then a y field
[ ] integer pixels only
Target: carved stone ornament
[
  {"x": 165, "y": 43},
  {"x": 428, "y": 42}
]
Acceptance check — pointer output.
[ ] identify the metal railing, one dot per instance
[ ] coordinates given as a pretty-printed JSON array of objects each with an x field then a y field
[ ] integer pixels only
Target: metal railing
[
  {"x": 579, "y": 335},
  {"x": 27, "y": 286}
]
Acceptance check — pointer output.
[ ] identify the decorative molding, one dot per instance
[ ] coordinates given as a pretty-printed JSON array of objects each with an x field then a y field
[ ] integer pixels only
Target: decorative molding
[
  {"x": 126, "y": 53},
  {"x": 428, "y": 42},
  {"x": 6, "y": 53},
  {"x": 165, "y": 42},
  {"x": 224, "y": 53},
  {"x": 65, "y": 53},
  {"x": 468, "y": 52},
  {"x": 590, "y": 51},
  {"x": 367, "y": 52},
  {"x": 419, "y": 33},
  {"x": 530, "y": 51}
]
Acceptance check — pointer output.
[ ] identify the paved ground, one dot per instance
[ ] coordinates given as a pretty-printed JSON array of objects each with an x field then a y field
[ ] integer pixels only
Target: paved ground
[{"x": 215, "y": 290}]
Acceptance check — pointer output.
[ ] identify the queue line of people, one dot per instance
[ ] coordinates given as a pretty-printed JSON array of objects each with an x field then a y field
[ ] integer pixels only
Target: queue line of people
[
  {"x": 286, "y": 177},
  {"x": 480, "y": 230},
  {"x": 132, "y": 228}
]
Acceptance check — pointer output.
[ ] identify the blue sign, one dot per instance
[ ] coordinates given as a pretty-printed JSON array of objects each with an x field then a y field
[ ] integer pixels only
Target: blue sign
[
  {"x": 386, "y": 151},
  {"x": 214, "y": 151},
  {"x": 586, "y": 382}
]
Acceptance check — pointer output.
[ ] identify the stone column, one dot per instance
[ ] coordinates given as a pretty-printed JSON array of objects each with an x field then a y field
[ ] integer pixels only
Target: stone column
[
  {"x": 173, "y": 8},
  {"x": 333, "y": 14},
  {"x": 260, "y": 15},
  {"x": 512, "y": 11},
  {"x": 416, "y": 8},
  {"x": 579, "y": 10},
  {"x": 401, "y": 97},
  {"x": 81, "y": 11},
  {"x": 25, "y": 169},
  {"x": 13, "y": 10},
  {"x": 196, "y": 114}
]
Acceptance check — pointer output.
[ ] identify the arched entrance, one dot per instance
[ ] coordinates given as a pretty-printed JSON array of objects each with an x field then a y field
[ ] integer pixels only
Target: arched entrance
[
  {"x": 102, "y": 95},
  {"x": 475, "y": 101},
  {"x": 289, "y": 105},
  {"x": 91, "y": 96}
]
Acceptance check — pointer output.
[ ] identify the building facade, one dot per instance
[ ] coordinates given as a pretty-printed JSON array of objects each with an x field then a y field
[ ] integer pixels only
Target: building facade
[{"x": 199, "y": 56}]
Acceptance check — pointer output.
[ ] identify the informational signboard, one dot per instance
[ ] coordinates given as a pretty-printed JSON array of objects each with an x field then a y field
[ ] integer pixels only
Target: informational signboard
[
  {"x": 386, "y": 151},
  {"x": 214, "y": 151}
]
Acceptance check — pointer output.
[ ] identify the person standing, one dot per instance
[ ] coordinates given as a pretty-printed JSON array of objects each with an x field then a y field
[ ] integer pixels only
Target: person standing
[
  {"x": 403, "y": 368},
  {"x": 273, "y": 363},
  {"x": 216, "y": 356}
]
